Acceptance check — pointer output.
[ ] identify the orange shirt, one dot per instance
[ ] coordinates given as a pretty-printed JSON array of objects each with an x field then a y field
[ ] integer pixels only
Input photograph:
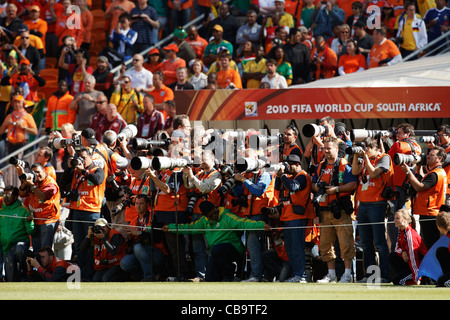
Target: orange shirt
[
  {"x": 224, "y": 78},
  {"x": 352, "y": 63},
  {"x": 87, "y": 19},
  {"x": 387, "y": 49},
  {"x": 164, "y": 94},
  {"x": 169, "y": 69},
  {"x": 40, "y": 26},
  {"x": 15, "y": 134}
]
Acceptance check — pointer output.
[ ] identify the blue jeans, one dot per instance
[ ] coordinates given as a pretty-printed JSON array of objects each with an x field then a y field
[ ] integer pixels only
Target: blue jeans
[
  {"x": 80, "y": 229},
  {"x": 15, "y": 262},
  {"x": 374, "y": 234},
  {"x": 199, "y": 249},
  {"x": 44, "y": 235},
  {"x": 255, "y": 249},
  {"x": 294, "y": 241},
  {"x": 141, "y": 261}
]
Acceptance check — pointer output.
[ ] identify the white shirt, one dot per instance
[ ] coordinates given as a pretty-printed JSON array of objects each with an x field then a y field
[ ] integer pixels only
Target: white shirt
[
  {"x": 142, "y": 79},
  {"x": 277, "y": 82}
]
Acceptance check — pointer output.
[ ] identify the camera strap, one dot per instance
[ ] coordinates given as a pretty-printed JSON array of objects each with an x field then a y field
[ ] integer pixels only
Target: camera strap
[{"x": 334, "y": 179}]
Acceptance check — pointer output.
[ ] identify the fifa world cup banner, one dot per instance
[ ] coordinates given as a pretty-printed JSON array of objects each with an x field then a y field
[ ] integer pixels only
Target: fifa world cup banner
[{"x": 314, "y": 103}]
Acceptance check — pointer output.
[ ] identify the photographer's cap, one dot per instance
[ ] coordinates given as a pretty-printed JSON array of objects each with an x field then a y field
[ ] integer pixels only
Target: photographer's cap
[
  {"x": 206, "y": 207},
  {"x": 89, "y": 135},
  {"x": 103, "y": 58},
  {"x": 101, "y": 222}
]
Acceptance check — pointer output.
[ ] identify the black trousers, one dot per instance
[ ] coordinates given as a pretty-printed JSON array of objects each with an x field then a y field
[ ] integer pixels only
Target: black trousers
[{"x": 220, "y": 265}]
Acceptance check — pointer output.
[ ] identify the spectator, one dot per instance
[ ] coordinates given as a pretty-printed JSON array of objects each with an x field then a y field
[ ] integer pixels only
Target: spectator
[
  {"x": 388, "y": 19},
  {"x": 286, "y": 19},
  {"x": 108, "y": 248},
  {"x": 113, "y": 12},
  {"x": 87, "y": 185},
  {"x": 141, "y": 78},
  {"x": 276, "y": 31},
  {"x": 228, "y": 78},
  {"x": 363, "y": 39},
  {"x": 335, "y": 208},
  {"x": 352, "y": 61},
  {"x": 50, "y": 268},
  {"x": 442, "y": 253},
  {"x": 51, "y": 11},
  {"x": 197, "y": 43},
  {"x": 375, "y": 172},
  {"x": 154, "y": 61},
  {"x": 15, "y": 234},
  {"x": 275, "y": 80},
  {"x": 228, "y": 22},
  {"x": 294, "y": 185},
  {"x": 162, "y": 12},
  {"x": 64, "y": 28},
  {"x": 199, "y": 79},
  {"x": 325, "y": 63},
  {"x": 328, "y": 17},
  {"x": 161, "y": 92},
  {"x": 185, "y": 51},
  {"x": 357, "y": 15},
  {"x": 413, "y": 31},
  {"x": 19, "y": 124},
  {"x": 87, "y": 20},
  {"x": 431, "y": 192},
  {"x": 384, "y": 52},
  {"x": 306, "y": 13},
  {"x": 212, "y": 49},
  {"x": 215, "y": 66},
  {"x": 284, "y": 68},
  {"x": 27, "y": 51},
  {"x": 84, "y": 103},
  {"x": 104, "y": 78},
  {"x": 226, "y": 247},
  {"x": 181, "y": 83},
  {"x": 255, "y": 69},
  {"x": 339, "y": 44},
  {"x": 6, "y": 90},
  {"x": 150, "y": 121},
  {"x": 144, "y": 20},
  {"x": 129, "y": 102},
  {"x": 171, "y": 113},
  {"x": 148, "y": 253},
  {"x": 113, "y": 120},
  {"x": 38, "y": 28},
  {"x": 11, "y": 22},
  {"x": 26, "y": 78},
  {"x": 78, "y": 70},
  {"x": 298, "y": 55},
  {"x": 437, "y": 21},
  {"x": 251, "y": 31},
  {"x": 180, "y": 12},
  {"x": 99, "y": 117},
  {"x": 123, "y": 37},
  {"x": 409, "y": 250},
  {"x": 58, "y": 108},
  {"x": 171, "y": 64},
  {"x": 42, "y": 199}
]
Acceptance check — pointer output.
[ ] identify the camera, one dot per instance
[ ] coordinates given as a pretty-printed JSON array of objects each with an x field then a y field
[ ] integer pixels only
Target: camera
[
  {"x": 427, "y": 139},
  {"x": 129, "y": 132},
  {"x": 60, "y": 143},
  {"x": 97, "y": 229},
  {"x": 141, "y": 163},
  {"x": 321, "y": 186},
  {"x": 272, "y": 211},
  {"x": 313, "y": 130},
  {"x": 18, "y": 162},
  {"x": 32, "y": 255},
  {"x": 248, "y": 164},
  {"x": 125, "y": 204},
  {"x": 74, "y": 162},
  {"x": 163, "y": 163},
  {"x": 355, "y": 149},
  {"x": 335, "y": 209},
  {"x": 70, "y": 196},
  {"x": 389, "y": 193},
  {"x": 264, "y": 141},
  {"x": 227, "y": 186},
  {"x": 193, "y": 198},
  {"x": 361, "y": 134},
  {"x": 278, "y": 166},
  {"x": 401, "y": 158},
  {"x": 146, "y": 144},
  {"x": 240, "y": 201},
  {"x": 26, "y": 176}
]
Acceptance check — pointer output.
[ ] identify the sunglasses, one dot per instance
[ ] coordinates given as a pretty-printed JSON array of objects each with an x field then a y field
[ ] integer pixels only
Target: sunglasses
[
  {"x": 25, "y": 37},
  {"x": 100, "y": 102}
]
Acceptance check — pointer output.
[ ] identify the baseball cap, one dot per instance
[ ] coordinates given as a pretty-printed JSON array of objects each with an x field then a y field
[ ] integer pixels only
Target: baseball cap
[
  {"x": 36, "y": 8},
  {"x": 103, "y": 58},
  {"x": 89, "y": 135},
  {"x": 303, "y": 29},
  {"x": 101, "y": 222},
  {"x": 18, "y": 97},
  {"x": 153, "y": 51},
  {"x": 25, "y": 61},
  {"x": 218, "y": 27},
  {"x": 171, "y": 46}
]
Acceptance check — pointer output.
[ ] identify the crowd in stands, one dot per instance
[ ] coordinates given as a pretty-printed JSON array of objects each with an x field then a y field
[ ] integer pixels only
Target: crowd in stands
[{"x": 124, "y": 222}]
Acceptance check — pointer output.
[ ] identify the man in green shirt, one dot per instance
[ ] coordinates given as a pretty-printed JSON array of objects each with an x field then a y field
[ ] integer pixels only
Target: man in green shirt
[
  {"x": 226, "y": 245},
  {"x": 211, "y": 49}
]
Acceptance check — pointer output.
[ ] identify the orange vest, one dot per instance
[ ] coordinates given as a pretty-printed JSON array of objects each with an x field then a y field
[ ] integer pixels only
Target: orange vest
[
  {"x": 58, "y": 111},
  {"x": 166, "y": 202},
  {"x": 137, "y": 187},
  {"x": 372, "y": 189},
  {"x": 287, "y": 150},
  {"x": 428, "y": 202},
  {"x": 50, "y": 209},
  {"x": 265, "y": 200},
  {"x": 299, "y": 198},
  {"x": 399, "y": 174},
  {"x": 102, "y": 255},
  {"x": 91, "y": 196}
]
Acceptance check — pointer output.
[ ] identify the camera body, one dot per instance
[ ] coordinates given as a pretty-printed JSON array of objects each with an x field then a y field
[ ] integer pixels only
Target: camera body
[
  {"x": 97, "y": 229},
  {"x": 60, "y": 143},
  {"x": 70, "y": 196},
  {"x": 321, "y": 186},
  {"x": 240, "y": 201}
]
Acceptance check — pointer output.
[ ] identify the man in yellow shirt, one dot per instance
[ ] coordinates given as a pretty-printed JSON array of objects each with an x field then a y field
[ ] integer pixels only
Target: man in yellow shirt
[
  {"x": 129, "y": 102},
  {"x": 255, "y": 70}
]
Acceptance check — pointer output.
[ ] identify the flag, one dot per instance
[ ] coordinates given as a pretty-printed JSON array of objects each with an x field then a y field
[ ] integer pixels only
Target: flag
[{"x": 430, "y": 266}]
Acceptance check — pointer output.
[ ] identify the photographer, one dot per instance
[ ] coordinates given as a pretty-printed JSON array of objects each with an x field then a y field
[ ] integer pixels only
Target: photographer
[
  {"x": 431, "y": 191},
  {"x": 148, "y": 251},
  {"x": 140, "y": 184},
  {"x": 19, "y": 125},
  {"x": 204, "y": 184},
  {"x": 289, "y": 145},
  {"x": 42, "y": 199},
  {"x": 375, "y": 179},
  {"x": 294, "y": 185},
  {"x": 44, "y": 156},
  {"x": 226, "y": 246},
  {"x": 87, "y": 183},
  {"x": 106, "y": 247},
  {"x": 405, "y": 144},
  {"x": 333, "y": 184},
  {"x": 255, "y": 191},
  {"x": 16, "y": 226},
  {"x": 49, "y": 268}
]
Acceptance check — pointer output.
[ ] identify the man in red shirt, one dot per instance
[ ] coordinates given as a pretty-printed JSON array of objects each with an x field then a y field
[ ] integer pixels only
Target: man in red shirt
[
  {"x": 113, "y": 120},
  {"x": 151, "y": 120}
]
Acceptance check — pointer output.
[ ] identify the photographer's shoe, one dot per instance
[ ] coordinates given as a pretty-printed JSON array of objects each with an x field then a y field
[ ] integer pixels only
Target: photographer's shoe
[
  {"x": 297, "y": 279},
  {"x": 328, "y": 279},
  {"x": 346, "y": 278}
]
